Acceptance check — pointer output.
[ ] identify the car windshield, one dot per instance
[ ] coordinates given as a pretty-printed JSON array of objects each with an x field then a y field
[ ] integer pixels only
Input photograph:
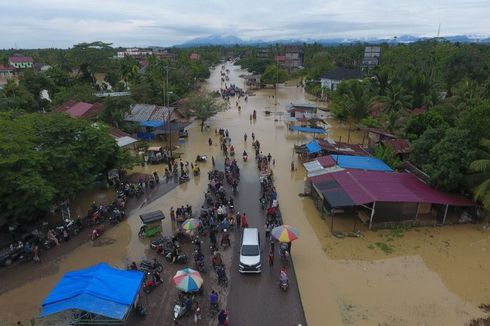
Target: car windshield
[{"x": 250, "y": 250}]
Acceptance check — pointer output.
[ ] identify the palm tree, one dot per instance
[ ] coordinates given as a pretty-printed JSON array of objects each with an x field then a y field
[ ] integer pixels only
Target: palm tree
[
  {"x": 357, "y": 101},
  {"x": 396, "y": 99},
  {"x": 381, "y": 80},
  {"x": 482, "y": 167}
]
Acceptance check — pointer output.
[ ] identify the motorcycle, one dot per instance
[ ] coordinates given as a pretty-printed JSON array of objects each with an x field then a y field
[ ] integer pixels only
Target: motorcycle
[
  {"x": 183, "y": 179},
  {"x": 97, "y": 233},
  {"x": 284, "y": 253},
  {"x": 140, "y": 309},
  {"x": 222, "y": 278},
  {"x": 164, "y": 243},
  {"x": 181, "y": 257},
  {"x": 179, "y": 311},
  {"x": 150, "y": 285},
  {"x": 284, "y": 285},
  {"x": 149, "y": 265},
  {"x": 245, "y": 158},
  {"x": 201, "y": 158}
]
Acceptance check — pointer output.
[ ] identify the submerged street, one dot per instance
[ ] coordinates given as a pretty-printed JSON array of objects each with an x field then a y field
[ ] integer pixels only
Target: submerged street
[{"x": 434, "y": 276}]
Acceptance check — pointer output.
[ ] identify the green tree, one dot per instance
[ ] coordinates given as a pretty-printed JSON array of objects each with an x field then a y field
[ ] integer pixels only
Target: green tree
[
  {"x": 48, "y": 158},
  {"x": 17, "y": 98},
  {"x": 273, "y": 75},
  {"x": 396, "y": 99},
  {"x": 386, "y": 154},
  {"x": 482, "y": 168},
  {"x": 418, "y": 124},
  {"x": 90, "y": 58},
  {"x": 115, "y": 109},
  {"x": 205, "y": 106},
  {"x": 77, "y": 92},
  {"x": 450, "y": 160},
  {"x": 353, "y": 97}
]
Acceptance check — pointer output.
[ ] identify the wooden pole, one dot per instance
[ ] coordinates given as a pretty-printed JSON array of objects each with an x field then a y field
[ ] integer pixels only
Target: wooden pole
[
  {"x": 372, "y": 215},
  {"x": 417, "y": 213},
  {"x": 445, "y": 214}
]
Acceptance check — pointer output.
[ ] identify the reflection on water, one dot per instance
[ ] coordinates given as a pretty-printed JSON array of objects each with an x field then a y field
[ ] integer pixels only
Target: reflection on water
[{"x": 342, "y": 279}]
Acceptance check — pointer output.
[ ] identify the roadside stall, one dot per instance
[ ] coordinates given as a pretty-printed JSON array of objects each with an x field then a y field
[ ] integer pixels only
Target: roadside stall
[{"x": 152, "y": 224}]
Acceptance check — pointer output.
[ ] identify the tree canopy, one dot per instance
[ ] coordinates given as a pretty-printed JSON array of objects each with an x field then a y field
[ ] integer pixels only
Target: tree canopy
[{"x": 45, "y": 159}]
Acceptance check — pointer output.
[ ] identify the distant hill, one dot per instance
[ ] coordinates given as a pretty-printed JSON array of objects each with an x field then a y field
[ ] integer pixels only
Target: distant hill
[{"x": 229, "y": 40}]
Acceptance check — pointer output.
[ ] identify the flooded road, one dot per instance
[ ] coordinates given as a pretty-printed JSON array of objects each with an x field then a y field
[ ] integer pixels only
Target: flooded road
[{"x": 434, "y": 276}]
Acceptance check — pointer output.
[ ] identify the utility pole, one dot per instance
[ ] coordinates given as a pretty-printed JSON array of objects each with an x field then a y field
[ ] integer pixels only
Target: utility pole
[{"x": 169, "y": 112}]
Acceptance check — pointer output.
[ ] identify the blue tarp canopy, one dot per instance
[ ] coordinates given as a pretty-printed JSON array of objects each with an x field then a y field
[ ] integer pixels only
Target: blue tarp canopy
[
  {"x": 313, "y": 147},
  {"x": 154, "y": 124},
  {"x": 361, "y": 162},
  {"x": 310, "y": 130},
  {"x": 101, "y": 290}
]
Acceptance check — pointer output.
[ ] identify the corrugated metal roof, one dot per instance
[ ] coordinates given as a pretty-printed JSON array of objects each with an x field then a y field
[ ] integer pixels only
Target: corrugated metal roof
[
  {"x": 364, "y": 187},
  {"x": 125, "y": 141}
]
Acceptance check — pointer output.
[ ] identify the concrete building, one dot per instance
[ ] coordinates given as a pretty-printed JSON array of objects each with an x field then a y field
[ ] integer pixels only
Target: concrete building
[
  {"x": 21, "y": 62},
  {"x": 372, "y": 56},
  {"x": 333, "y": 78}
]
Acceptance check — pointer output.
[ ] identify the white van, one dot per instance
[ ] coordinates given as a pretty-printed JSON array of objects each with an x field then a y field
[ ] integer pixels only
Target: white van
[{"x": 250, "y": 257}]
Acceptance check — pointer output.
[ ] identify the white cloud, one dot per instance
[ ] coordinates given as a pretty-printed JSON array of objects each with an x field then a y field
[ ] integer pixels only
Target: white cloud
[{"x": 62, "y": 23}]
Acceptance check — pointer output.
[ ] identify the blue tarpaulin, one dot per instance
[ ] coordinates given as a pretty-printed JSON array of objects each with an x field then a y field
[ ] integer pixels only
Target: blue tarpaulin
[
  {"x": 100, "y": 289},
  {"x": 310, "y": 130},
  {"x": 313, "y": 147},
  {"x": 361, "y": 162},
  {"x": 154, "y": 124}
]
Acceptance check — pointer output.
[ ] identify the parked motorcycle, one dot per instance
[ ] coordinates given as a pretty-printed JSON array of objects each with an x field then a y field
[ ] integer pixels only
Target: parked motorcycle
[
  {"x": 180, "y": 311},
  {"x": 151, "y": 265},
  {"x": 150, "y": 285},
  {"x": 97, "y": 232},
  {"x": 180, "y": 259}
]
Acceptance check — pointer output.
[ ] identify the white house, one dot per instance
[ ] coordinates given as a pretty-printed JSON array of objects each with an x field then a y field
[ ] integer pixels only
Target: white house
[
  {"x": 21, "y": 62},
  {"x": 338, "y": 75}
]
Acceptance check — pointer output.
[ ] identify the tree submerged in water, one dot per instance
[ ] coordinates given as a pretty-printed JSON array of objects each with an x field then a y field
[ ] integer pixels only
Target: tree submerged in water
[{"x": 204, "y": 106}]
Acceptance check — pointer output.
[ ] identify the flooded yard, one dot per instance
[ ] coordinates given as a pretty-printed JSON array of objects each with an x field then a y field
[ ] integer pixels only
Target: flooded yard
[{"x": 422, "y": 276}]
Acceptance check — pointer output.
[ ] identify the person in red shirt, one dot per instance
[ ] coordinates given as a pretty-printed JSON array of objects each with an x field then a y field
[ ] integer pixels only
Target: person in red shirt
[{"x": 244, "y": 221}]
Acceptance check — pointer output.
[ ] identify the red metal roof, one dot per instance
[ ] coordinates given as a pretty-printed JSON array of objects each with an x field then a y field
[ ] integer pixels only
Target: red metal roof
[
  {"x": 6, "y": 68},
  {"x": 398, "y": 146},
  {"x": 20, "y": 59},
  {"x": 365, "y": 187},
  {"x": 326, "y": 161},
  {"x": 118, "y": 133},
  {"x": 80, "y": 109}
]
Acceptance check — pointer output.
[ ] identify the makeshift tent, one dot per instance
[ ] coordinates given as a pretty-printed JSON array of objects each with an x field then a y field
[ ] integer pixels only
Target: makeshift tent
[
  {"x": 313, "y": 147},
  {"x": 361, "y": 163},
  {"x": 154, "y": 124},
  {"x": 100, "y": 289},
  {"x": 309, "y": 130}
]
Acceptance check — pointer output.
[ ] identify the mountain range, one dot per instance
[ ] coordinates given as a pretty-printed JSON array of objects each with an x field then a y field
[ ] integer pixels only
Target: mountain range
[{"x": 229, "y": 40}]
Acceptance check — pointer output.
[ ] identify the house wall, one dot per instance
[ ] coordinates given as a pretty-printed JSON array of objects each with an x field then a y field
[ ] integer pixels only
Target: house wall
[
  {"x": 330, "y": 84},
  {"x": 388, "y": 212},
  {"x": 21, "y": 65}
]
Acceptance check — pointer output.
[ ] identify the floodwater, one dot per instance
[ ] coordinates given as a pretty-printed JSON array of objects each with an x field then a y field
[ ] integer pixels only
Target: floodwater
[{"x": 433, "y": 276}]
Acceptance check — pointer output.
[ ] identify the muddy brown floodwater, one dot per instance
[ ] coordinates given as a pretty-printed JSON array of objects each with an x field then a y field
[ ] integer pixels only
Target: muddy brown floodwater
[{"x": 433, "y": 276}]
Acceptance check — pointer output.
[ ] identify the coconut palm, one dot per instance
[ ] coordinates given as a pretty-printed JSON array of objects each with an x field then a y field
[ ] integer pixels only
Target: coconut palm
[
  {"x": 396, "y": 99},
  {"x": 482, "y": 167}
]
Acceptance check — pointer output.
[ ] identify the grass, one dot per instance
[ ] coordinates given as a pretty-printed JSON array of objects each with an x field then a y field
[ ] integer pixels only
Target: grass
[
  {"x": 399, "y": 231},
  {"x": 385, "y": 247},
  {"x": 371, "y": 246}
]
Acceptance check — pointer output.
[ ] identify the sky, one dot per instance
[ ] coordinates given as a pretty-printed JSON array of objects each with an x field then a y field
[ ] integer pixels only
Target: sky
[{"x": 62, "y": 23}]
